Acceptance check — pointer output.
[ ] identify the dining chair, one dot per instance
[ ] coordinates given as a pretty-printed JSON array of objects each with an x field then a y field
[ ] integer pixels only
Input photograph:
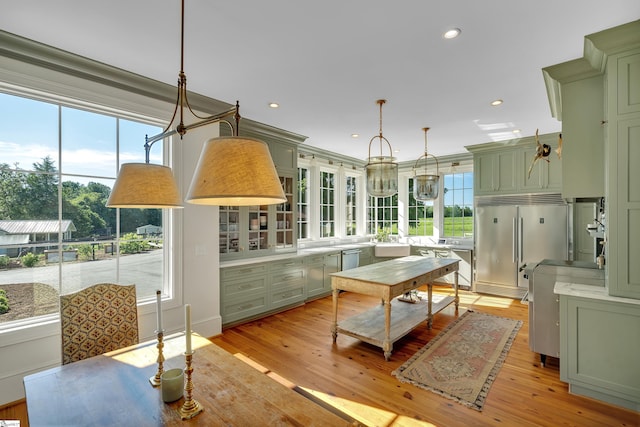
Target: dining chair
[{"x": 98, "y": 319}]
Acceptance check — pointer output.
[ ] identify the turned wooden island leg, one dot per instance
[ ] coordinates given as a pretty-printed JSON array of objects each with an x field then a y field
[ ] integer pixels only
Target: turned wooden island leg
[
  {"x": 387, "y": 346},
  {"x": 429, "y": 305},
  {"x": 455, "y": 284}
]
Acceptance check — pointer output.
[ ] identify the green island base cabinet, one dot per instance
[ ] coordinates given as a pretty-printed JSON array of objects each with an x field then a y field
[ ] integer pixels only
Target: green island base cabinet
[{"x": 600, "y": 344}]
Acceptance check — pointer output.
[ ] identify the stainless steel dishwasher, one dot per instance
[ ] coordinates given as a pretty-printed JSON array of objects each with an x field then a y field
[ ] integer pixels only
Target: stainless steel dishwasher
[
  {"x": 350, "y": 258},
  {"x": 544, "y": 304}
]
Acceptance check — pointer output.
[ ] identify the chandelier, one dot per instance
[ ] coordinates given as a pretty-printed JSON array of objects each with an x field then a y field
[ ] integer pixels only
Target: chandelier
[
  {"x": 382, "y": 171},
  {"x": 234, "y": 171}
]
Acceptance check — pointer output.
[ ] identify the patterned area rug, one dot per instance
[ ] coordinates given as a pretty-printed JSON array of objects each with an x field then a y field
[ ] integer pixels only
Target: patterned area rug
[{"x": 464, "y": 359}]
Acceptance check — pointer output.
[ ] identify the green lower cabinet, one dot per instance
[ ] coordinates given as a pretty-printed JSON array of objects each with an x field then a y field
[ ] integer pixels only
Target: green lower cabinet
[
  {"x": 600, "y": 349},
  {"x": 315, "y": 277},
  {"x": 286, "y": 283},
  {"x": 244, "y": 297},
  {"x": 319, "y": 269},
  {"x": 366, "y": 256}
]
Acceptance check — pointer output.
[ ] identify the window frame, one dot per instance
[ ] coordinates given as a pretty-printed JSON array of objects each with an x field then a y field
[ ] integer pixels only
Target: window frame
[
  {"x": 467, "y": 202},
  {"x": 170, "y": 286}
]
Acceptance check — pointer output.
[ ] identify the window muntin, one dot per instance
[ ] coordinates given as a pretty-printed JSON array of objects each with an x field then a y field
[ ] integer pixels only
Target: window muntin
[
  {"x": 420, "y": 215},
  {"x": 327, "y": 204},
  {"x": 382, "y": 216},
  {"x": 303, "y": 203},
  {"x": 458, "y": 205},
  {"x": 70, "y": 227},
  {"x": 351, "y": 209}
]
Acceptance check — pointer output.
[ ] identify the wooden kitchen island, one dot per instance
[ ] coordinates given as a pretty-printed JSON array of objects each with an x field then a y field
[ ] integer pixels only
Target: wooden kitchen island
[{"x": 388, "y": 280}]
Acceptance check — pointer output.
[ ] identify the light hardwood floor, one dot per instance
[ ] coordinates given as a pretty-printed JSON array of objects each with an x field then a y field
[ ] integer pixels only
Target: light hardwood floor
[{"x": 297, "y": 345}]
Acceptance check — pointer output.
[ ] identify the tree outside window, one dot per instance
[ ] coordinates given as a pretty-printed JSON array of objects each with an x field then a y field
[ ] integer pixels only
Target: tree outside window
[{"x": 56, "y": 234}]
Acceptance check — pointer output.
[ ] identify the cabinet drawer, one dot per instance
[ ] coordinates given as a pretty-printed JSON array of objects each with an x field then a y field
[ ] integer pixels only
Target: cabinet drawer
[
  {"x": 314, "y": 259},
  {"x": 247, "y": 270},
  {"x": 287, "y": 276},
  {"x": 278, "y": 266},
  {"x": 286, "y": 296},
  {"x": 237, "y": 288},
  {"x": 446, "y": 270},
  {"x": 239, "y": 309}
]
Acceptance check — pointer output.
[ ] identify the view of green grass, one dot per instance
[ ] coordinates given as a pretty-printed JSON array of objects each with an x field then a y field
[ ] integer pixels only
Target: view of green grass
[{"x": 454, "y": 227}]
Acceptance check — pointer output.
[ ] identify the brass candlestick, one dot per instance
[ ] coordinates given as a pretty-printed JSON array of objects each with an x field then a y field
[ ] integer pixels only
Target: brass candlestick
[
  {"x": 190, "y": 408},
  {"x": 155, "y": 380}
]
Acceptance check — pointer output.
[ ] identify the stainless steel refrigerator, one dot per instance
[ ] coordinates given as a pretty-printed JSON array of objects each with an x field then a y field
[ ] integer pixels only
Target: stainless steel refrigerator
[{"x": 510, "y": 237}]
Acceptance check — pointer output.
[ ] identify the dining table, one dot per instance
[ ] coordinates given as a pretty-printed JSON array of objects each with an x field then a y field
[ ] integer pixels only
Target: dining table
[{"x": 114, "y": 389}]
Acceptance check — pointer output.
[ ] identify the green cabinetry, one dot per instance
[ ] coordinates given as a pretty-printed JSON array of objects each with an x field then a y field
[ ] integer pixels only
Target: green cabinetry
[
  {"x": 623, "y": 183},
  {"x": 249, "y": 231},
  {"x": 599, "y": 347},
  {"x": 243, "y": 292},
  {"x": 286, "y": 283},
  {"x": 319, "y": 268},
  {"x": 581, "y": 109},
  {"x": 503, "y": 168},
  {"x": 252, "y": 290}
]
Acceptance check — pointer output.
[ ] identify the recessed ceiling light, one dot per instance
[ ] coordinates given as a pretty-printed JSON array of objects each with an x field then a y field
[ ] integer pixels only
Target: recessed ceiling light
[
  {"x": 497, "y": 102},
  {"x": 452, "y": 33},
  {"x": 516, "y": 131},
  {"x": 355, "y": 135},
  {"x": 273, "y": 105}
]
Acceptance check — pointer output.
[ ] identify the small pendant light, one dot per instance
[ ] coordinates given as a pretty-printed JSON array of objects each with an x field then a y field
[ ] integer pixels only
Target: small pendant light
[{"x": 425, "y": 185}]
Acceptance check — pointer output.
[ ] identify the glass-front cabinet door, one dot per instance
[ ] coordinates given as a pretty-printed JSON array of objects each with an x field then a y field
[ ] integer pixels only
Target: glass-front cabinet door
[
  {"x": 250, "y": 231},
  {"x": 229, "y": 224},
  {"x": 258, "y": 228},
  {"x": 285, "y": 222}
]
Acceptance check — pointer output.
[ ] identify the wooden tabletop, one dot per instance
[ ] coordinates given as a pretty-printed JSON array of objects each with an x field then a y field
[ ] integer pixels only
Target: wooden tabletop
[
  {"x": 396, "y": 270},
  {"x": 114, "y": 390}
]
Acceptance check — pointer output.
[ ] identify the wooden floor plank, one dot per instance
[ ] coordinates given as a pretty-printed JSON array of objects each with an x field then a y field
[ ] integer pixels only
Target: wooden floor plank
[{"x": 297, "y": 344}]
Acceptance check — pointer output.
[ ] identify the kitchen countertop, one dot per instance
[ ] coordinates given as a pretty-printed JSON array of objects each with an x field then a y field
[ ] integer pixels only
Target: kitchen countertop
[
  {"x": 303, "y": 252},
  {"x": 589, "y": 291}
]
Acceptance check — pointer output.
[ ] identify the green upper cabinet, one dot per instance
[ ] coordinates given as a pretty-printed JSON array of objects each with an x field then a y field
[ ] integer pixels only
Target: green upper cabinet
[
  {"x": 604, "y": 87},
  {"x": 256, "y": 231},
  {"x": 494, "y": 172},
  {"x": 581, "y": 109},
  {"x": 503, "y": 167},
  {"x": 623, "y": 188}
]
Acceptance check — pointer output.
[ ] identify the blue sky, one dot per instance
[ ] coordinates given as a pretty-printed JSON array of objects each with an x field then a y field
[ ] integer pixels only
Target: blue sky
[{"x": 29, "y": 131}]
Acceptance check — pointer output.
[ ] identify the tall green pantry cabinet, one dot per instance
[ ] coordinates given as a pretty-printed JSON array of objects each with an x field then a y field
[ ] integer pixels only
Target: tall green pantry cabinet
[{"x": 600, "y": 326}]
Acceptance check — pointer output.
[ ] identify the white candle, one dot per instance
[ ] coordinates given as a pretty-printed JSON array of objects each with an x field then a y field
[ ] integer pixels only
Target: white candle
[
  {"x": 159, "y": 305},
  {"x": 187, "y": 321}
]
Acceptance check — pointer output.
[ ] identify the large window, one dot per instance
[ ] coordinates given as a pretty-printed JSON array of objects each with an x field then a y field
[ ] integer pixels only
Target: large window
[
  {"x": 382, "y": 216},
  {"x": 57, "y": 166},
  {"x": 458, "y": 205},
  {"x": 327, "y": 204},
  {"x": 420, "y": 215},
  {"x": 303, "y": 203},
  {"x": 350, "y": 206}
]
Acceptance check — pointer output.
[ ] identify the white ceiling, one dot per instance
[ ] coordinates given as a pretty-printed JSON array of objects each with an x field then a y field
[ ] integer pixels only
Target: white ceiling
[{"x": 327, "y": 62}]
